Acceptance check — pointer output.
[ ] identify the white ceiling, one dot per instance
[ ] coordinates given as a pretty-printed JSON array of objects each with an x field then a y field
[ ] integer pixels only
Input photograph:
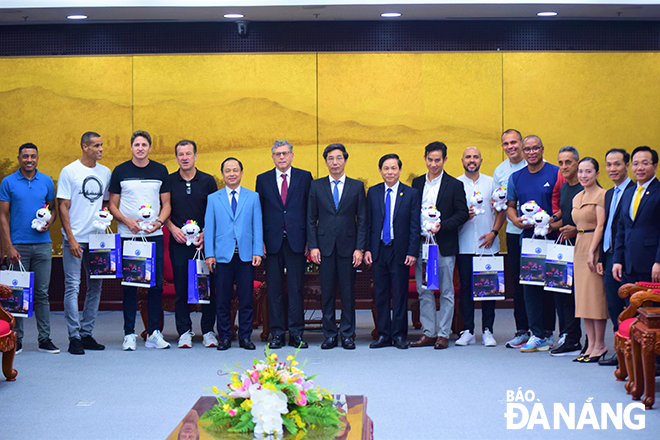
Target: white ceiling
[{"x": 54, "y": 11}]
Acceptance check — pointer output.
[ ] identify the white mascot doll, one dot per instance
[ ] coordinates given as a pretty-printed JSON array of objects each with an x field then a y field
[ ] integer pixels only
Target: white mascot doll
[
  {"x": 499, "y": 199},
  {"x": 528, "y": 210},
  {"x": 147, "y": 216},
  {"x": 41, "y": 218},
  {"x": 103, "y": 219},
  {"x": 430, "y": 219},
  {"x": 191, "y": 231},
  {"x": 477, "y": 202},
  {"x": 541, "y": 223}
]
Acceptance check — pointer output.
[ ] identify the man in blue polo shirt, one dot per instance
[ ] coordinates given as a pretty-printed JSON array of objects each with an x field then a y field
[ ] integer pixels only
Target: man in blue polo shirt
[
  {"x": 22, "y": 194},
  {"x": 541, "y": 182}
]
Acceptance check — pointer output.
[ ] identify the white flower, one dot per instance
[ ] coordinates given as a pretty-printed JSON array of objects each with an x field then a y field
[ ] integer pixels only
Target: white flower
[{"x": 267, "y": 409}]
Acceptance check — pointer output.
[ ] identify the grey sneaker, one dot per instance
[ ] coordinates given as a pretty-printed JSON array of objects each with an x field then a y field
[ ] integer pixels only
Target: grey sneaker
[{"x": 518, "y": 340}]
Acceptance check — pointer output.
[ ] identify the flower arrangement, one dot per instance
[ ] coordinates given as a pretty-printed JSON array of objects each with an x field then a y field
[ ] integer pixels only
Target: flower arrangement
[{"x": 271, "y": 397}]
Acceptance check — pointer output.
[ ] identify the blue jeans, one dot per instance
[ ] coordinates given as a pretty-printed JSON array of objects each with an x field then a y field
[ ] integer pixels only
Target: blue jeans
[
  {"x": 37, "y": 258},
  {"x": 155, "y": 299},
  {"x": 71, "y": 265}
]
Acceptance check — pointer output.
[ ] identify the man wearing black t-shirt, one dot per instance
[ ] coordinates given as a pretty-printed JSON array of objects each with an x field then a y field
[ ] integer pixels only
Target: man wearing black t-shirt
[
  {"x": 190, "y": 188},
  {"x": 139, "y": 182}
]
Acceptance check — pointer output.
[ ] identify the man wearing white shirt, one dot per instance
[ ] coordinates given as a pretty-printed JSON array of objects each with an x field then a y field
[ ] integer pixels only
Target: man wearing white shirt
[{"x": 479, "y": 235}]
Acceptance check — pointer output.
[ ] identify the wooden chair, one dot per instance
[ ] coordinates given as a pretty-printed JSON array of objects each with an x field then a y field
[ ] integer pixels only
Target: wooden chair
[{"x": 7, "y": 337}]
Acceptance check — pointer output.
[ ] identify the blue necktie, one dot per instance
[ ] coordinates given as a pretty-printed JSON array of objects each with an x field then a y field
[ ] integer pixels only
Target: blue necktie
[
  {"x": 607, "y": 238},
  {"x": 335, "y": 193},
  {"x": 233, "y": 201},
  {"x": 387, "y": 221}
]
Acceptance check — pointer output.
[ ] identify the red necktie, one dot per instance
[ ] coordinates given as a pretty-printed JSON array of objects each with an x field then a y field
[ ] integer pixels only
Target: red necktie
[{"x": 285, "y": 189}]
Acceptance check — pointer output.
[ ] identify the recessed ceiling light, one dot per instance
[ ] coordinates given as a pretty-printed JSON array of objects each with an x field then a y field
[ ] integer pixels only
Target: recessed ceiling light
[
  {"x": 546, "y": 14},
  {"x": 390, "y": 14},
  {"x": 233, "y": 15},
  {"x": 76, "y": 17}
]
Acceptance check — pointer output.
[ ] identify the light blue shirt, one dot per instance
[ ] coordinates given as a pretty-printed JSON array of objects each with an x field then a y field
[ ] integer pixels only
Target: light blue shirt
[{"x": 501, "y": 178}]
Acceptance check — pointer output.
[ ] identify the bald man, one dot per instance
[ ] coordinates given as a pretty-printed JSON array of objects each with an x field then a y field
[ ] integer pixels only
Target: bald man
[{"x": 477, "y": 236}]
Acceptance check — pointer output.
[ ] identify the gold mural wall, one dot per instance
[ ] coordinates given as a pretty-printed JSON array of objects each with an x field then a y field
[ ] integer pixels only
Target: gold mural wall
[{"x": 374, "y": 103}]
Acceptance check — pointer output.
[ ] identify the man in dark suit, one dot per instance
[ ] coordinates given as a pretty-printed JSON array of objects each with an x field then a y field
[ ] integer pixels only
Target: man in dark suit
[
  {"x": 617, "y": 162},
  {"x": 233, "y": 238},
  {"x": 637, "y": 244},
  {"x": 283, "y": 192},
  {"x": 446, "y": 193},
  {"x": 393, "y": 231},
  {"x": 336, "y": 232}
]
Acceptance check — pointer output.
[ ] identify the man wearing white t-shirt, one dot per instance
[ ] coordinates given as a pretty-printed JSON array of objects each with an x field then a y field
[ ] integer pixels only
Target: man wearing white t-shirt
[{"x": 82, "y": 190}]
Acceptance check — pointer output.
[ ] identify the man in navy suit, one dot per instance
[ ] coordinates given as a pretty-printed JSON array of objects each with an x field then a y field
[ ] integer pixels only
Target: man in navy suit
[
  {"x": 233, "y": 238},
  {"x": 637, "y": 244},
  {"x": 336, "y": 232},
  {"x": 617, "y": 162},
  {"x": 283, "y": 192},
  {"x": 393, "y": 231},
  {"x": 439, "y": 189}
]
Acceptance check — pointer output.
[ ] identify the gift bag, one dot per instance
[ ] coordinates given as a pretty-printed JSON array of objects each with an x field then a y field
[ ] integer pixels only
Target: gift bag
[
  {"x": 104, "y": 256},
  {"x": 430, "y": 278},
  {"x": 559, "y": 268},
  {"x": 21, "y": 300},
  {"x": 139, "y": 263},
  {"x": 532, "y": 261},
  {"x": 487, "y": 278},
  {"x": 199, "y": 287}
]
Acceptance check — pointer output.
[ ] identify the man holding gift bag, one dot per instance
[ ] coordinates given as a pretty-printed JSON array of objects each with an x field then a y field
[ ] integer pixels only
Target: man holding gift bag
[
  {"x": 138, "y": 182},
  {"x": 190, "y": 189},
  {"x": 22, "y": 194},
  {"x": 445, "y": 192},
  {"x": 82, "y": 191}
]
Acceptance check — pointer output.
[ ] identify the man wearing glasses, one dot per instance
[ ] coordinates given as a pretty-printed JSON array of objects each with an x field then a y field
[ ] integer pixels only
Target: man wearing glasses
[
  {"x": 541, "y": 182},
  {"x": 190, "y": 188}
]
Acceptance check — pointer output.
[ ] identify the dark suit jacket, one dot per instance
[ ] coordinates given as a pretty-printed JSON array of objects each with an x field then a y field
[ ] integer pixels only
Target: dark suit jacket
[
  {"x": 276, "y": 215},
  {"x": 345, "y": 227},
  {"x": 405, "y": 221},
  {"x": 638, "y": 242},
  {"x": 453, "y": 211},
  {"x": 615, "y": 221}
]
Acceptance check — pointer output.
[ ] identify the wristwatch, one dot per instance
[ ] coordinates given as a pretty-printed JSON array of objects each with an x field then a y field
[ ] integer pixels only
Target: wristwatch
[
  {"x": 555, "y": 218},
  {"x": 495, "y": 231}
]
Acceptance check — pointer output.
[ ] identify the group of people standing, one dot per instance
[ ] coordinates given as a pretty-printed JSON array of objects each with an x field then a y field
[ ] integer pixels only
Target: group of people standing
[{"x": 290, "y": 216}]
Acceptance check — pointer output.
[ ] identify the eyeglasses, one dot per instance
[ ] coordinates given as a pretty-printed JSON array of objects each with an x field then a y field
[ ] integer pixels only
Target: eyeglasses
[
  {"x": 188, "y": 190},
  {"x": 534, "y": 149},
  {"x": 644, "y": 164},
  {"x": 282, "y": 154}
]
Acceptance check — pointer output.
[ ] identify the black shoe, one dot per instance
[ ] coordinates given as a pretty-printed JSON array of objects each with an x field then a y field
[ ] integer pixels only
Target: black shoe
[
  {"x": 19, "y": 346},
  {"x": 298, "y": 342},
  {"x": 567, "y": 349},
  {"x": 47, "y": 346},
  {"x": 276, "y": 342},
  {"x": 89, "y": 343},
  {"x": 76, "y": 346},
  {"x": 348, "y": 343},
  {"x": 594, "y": 359},
  {"x": 400, "y": 342},
  {"x": 246, "y": 344},
  {"x": 224, "y": 344},
  {"x": 381, "y": 342},
  {"x": 329, "y": 343},
  {"x": 611, "y": 362}
]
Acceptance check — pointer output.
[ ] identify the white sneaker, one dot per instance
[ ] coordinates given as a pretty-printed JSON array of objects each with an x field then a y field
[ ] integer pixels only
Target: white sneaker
[
  {"x": 466, "y": 338},
  {"x": 129, "y": 342},
  {"x": 210, "y": 340},
  {"x": 488, "y": 339},
  {"x": 185, "y": 340},
  {"x": 562, "y": 339},
  {"x": 155, "y": 340}
]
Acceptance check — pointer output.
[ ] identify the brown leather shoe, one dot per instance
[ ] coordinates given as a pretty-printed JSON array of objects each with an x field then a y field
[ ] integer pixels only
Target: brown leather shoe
[
  {"x": 441, "y": 343},
  {"x": 424, "y": 341}
]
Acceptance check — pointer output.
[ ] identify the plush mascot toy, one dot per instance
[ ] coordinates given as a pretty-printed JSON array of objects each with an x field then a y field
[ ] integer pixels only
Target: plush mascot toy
[
  {"x": 541, "y": 223},
  {"x": 41, "y": 218},
  {"x": 191, "y": 231},
  {"x": 477, "y": 202},
  {"x": 147, "y": 217},
  {"x": 499, "y": 199},
  {"x": 103, "y": 219},
  {"x": 528, "y": 210},
  {"x": 430, "y": 219}
]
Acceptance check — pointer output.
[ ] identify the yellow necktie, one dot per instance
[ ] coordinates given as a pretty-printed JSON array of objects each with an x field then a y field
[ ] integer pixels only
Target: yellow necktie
[{"x": 638, "y": 198}]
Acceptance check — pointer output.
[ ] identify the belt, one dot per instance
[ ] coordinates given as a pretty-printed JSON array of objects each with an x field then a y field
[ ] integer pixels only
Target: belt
[
  {"x": 584, "y": 231},
  {"x": 382, "y": 243}
]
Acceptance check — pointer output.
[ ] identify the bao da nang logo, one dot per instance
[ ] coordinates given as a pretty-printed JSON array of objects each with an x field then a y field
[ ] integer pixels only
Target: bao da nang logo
[
  {"x": 538, "y": 250},
  {"x": 488, "y": 267},
  {"x": 14, "y": 282},
  {"x": 525, "y": 411},
  {"x": 137, "y": 252},
  {"x": 560, "y": 256},
  {"x": 102, "y": 245}
]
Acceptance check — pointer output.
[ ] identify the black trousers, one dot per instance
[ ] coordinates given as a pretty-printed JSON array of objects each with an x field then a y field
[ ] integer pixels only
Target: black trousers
[
  {"x": 568, "y": 323},
  {"x": 336, "y": 270},
  {"x": 464, "y": 264},
  {"x": 242, "y": 273},
  {"x": 295, "y": 271},
  {"x": 179, "y": 256},
  {"x": 390, "y": 277},
  {"x": 513, "y": 270}
]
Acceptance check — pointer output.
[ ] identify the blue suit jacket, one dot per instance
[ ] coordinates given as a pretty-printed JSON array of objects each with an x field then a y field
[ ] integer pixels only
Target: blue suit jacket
[
  {"x": 405, "y": 221},
  {"x": 637, "y": 245},
  {"x": 293, "y": 214},
  {"x": 223, "y": 230}
]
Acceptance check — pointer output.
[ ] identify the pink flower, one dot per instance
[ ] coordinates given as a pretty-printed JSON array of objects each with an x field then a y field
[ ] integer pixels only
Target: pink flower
[
  {"x": 301, "y": 399},
  {"x": 232, "y": 412}
]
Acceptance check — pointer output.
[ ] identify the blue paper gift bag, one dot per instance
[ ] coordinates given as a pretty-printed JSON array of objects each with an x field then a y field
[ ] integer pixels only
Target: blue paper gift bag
[
  {"x": 139, "y": 264},
  {"x": 21, "y": 300},
  {"x": 199, "y": 287},
  {"x": 430, "y": 267}
]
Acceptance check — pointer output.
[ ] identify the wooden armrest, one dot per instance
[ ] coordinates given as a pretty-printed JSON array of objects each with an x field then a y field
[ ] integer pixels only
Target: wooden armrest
[
  {"x": 6, "y": 316},
  {"x": 628, "y": 289},
  {"x": 640, "y": 298}
]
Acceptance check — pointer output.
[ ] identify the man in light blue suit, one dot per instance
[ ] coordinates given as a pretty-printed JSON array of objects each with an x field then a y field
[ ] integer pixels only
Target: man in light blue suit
[{"x": 234, "y": 240}]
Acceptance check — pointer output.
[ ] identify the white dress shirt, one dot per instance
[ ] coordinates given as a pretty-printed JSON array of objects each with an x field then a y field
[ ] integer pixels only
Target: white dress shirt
[
  {"x": 471, "y": 230},
  {"x": 340, "y": 186},
  {"x": 394, "y": 188},
  {"x": 280, "y": 180}
]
